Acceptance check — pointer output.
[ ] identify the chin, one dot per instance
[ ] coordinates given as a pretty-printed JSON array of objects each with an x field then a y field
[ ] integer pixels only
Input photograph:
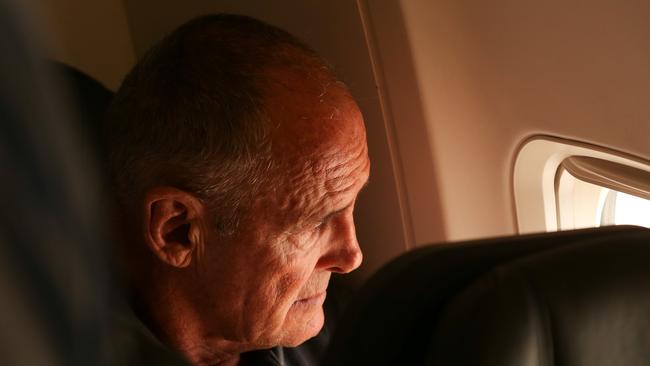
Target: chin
[{"x": 303, "y": 326}]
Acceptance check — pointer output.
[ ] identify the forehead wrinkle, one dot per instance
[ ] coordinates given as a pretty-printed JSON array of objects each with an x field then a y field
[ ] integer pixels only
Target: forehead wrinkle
[
  {"x": 318, "y": 136},
  {"x": 311, "y": 182},
  {"x": 301, "y": 189},
  {"x": 342, "y": 169},
  {"x": 306, "y": 196},
  {"x": 344, "y": 178}
]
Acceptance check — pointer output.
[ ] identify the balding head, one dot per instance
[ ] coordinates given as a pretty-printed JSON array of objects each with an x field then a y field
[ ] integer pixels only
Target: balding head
[{"x": 193, "y": 113}]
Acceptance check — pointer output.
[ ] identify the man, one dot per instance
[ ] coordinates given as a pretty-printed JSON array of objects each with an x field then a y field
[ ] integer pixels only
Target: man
[{"x": 237, "y": 158}]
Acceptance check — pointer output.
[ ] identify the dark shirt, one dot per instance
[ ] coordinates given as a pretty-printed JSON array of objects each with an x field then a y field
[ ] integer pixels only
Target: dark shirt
[
  {"x": 307, "y": 354},
  {"x": 131, "y": 343}
]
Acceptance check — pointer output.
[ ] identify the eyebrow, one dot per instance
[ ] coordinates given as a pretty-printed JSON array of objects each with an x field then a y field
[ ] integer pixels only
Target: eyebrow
[{"x": 336, "y": 212}]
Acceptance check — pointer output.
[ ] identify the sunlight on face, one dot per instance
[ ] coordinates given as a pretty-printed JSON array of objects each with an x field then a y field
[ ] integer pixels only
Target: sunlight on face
[{"x": 266, "y": 286}]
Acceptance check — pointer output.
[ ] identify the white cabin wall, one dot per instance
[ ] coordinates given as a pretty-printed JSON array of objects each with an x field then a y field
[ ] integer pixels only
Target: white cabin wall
[
  {"x": 335, "y": 30},
  {"x": 92, "y": 36},
  {"x": 405, "y": 118},
  {"x": 491, "y": 74}
]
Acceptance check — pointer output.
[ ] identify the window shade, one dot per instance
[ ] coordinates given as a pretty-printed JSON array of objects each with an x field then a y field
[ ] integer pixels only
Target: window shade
[{"x": 611, "y": 175}]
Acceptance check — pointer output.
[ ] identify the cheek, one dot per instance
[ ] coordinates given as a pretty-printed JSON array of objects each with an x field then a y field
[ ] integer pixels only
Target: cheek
[
  {"x": 291, "y": 278},
  {"x": 280, "y": 280}
]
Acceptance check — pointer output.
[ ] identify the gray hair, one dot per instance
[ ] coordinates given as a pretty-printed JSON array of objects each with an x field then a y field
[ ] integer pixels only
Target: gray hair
[{"x": 191, "y": 115}]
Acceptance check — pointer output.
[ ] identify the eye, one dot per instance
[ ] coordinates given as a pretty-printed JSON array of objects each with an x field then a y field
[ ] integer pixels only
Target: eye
[{"x": 320, "y": 225}]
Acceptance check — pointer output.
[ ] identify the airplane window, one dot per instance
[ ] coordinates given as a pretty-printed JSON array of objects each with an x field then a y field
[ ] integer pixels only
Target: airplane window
[
  {"x": 594, "y": 192},
  {"x": 625, "y": 209},
  {"x": 561, "y": 184}
]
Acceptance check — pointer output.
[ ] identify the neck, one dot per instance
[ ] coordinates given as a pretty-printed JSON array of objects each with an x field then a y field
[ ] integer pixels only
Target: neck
[
  {"x": 208, "y": 356},
  {"x": 176, "y": 324}
]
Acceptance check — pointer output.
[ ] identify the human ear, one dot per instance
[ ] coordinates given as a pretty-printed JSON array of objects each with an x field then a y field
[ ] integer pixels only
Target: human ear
[{"x": 172, "y": 225}]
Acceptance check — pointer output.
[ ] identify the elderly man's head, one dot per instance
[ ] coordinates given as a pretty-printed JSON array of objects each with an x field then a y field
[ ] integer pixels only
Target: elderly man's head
[{"x": 237, "y": 159}]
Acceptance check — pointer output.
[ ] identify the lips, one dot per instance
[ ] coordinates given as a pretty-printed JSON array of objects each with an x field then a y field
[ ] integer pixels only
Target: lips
[{"x": 315, "y": 299}]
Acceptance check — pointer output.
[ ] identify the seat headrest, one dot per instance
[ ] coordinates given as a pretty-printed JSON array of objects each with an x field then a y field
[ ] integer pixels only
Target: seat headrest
[
  {"x": 436, "y": 305},
  {"x": 585, "y": 304},
  {"x": 53, "y": 288},
  {"x": 90, "y": 100}
]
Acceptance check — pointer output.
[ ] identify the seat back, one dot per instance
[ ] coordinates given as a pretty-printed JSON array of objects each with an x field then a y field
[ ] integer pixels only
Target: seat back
[
  {"x": 53, "y": 288},
  {"x": 410, "y": 312}
]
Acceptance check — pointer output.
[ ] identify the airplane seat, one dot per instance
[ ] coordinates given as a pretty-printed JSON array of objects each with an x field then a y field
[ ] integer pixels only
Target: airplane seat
[
  {"x": 53, "y": 288},
  {"x": 567, "y": 298},
  {"x": 585, "y": 304},
  {"x": 57, "y": 297},
  {"x": 128, "y": 341},
  {"x": 91, "y": 100}
]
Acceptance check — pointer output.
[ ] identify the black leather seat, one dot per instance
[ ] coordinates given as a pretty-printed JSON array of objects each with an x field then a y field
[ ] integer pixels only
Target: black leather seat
[
  {"x": 568, "y": 298},
  {"x": 53, "y": 288},
  {"x": 90, "y": 100}
]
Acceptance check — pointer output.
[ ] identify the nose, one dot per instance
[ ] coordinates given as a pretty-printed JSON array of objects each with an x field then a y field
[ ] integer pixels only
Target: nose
[{"x": 343, "y": 254}]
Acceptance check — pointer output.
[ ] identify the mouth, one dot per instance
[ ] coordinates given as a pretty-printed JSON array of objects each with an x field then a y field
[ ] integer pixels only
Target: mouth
[{"x": 316, "y": 299}]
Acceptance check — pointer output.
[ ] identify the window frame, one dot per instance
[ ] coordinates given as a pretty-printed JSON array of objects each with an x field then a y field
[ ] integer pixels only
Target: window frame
[{"x": 535, "y": 170}]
